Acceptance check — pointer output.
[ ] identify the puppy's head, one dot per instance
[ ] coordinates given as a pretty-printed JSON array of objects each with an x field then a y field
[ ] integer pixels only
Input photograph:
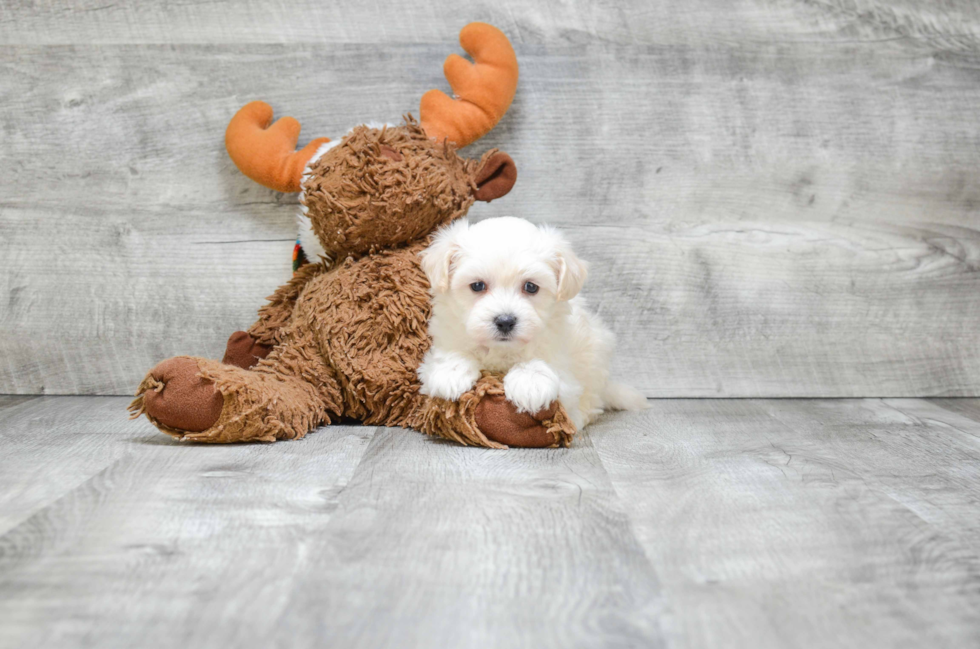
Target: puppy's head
[{"x": 502, "y": 278}]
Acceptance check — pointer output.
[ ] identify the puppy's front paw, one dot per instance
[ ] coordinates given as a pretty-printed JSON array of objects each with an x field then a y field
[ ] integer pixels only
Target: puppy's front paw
[
  {"x": 531, "y": 386},
  {"x": 449, "y": 378}
]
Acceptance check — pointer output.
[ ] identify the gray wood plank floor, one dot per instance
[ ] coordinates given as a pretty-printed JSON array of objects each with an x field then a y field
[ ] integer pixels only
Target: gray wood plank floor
[{"x": 699, "y": 523}]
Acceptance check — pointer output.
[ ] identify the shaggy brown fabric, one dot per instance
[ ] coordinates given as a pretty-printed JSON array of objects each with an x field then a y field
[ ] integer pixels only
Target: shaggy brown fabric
[
  {"x": 349, "y": 338},
  {"x": 358, "y": 199},
  {"x": 284, "y": 396},
  {"x": 483, "y": 417},
  {"x": 275, "y": 315}
]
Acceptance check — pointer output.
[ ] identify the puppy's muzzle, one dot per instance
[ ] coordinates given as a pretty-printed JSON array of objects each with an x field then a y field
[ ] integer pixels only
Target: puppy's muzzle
[{"x": 505, "y": 323}]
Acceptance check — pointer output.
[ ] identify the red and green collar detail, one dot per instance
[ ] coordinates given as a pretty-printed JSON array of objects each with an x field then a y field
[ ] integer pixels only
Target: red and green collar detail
[{"x": 299, "y": 257}]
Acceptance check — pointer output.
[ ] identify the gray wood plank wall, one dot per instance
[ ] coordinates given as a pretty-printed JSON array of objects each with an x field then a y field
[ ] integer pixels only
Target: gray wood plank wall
[{"x": 778, "y": 197}]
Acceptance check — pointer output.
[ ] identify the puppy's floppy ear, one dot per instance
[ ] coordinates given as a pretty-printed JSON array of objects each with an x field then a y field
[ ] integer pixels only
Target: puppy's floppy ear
[
  {"x": 571, "y": 270},
  {"x": 437, "y": 259}
]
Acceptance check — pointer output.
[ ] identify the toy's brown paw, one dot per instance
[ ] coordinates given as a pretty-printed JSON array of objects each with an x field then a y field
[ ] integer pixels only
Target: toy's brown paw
[
  {"x": 499, "y": 420},
  {"x": 185, "y": 401},
  {"x": 244, "y": 351}
]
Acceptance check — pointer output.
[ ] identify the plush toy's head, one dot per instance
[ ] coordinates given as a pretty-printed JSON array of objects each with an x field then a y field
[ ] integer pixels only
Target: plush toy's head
[
  {"x": 388, "y": 186},
  {"x": 380, "y": 187}
]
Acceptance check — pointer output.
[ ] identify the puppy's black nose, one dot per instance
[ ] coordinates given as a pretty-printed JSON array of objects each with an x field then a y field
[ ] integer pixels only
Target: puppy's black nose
[{"x": 505, "y": 322}]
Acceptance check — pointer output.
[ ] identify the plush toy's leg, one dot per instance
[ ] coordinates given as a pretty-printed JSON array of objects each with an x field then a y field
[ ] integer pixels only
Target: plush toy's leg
[
  {"x": 484, "y": 417},
  {"x": 244, "y": 351},
  {"x": 285, "y": 396},
  {"x": 246, "y": 348}
]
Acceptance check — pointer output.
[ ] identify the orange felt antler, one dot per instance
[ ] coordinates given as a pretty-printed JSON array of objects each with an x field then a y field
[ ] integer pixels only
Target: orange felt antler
[
  {"x": 267, "y": 154},
  {"x": 484, "y": 89}
]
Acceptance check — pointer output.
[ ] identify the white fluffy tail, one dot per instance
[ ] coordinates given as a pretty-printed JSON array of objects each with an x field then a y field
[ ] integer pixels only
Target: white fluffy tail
[{"x": 619, "y": 396}]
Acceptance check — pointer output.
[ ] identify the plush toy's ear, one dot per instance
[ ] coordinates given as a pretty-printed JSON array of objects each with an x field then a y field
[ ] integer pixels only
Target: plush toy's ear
[
  {"x": 438, "y": 258},
  {"x": 496, "y": 177},
  {"x": 571, "y": 270}
]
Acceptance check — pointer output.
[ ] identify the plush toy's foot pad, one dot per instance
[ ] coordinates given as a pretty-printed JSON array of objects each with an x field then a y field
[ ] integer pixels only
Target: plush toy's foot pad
[
  {"x": 499, "y": 420},
  {"x": 180, "y": 399},
  {"x": 244, "y": 351}
]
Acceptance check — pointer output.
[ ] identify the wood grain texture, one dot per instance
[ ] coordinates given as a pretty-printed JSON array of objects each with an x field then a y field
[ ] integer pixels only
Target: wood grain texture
[
  {"x": 700, "y": 523},
  {"x": 425, "y": 543},
  {"x": 969, "y": 408},
  {"x": 805, "y": 523},
  {"x": 438, "y": 545},
  {"x": 777, "y": 197},
  {"x": 950, "y": 24},
  {"x": 138, "y": 540}
]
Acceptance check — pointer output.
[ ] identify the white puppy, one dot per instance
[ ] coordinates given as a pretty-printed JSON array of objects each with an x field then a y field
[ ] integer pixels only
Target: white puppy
[{"x": 503, "y": 299}]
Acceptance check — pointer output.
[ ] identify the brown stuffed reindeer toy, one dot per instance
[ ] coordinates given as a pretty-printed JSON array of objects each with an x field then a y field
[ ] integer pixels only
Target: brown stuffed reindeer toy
[{"x": 345, "y": 336}]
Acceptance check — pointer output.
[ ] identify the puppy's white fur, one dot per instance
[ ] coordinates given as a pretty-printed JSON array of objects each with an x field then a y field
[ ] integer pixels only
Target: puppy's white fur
[{"x": 557, "y": 349}]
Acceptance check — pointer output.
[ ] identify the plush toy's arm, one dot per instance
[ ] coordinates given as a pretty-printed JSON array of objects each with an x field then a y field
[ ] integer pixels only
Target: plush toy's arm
[{"x": 484, "y": 417}]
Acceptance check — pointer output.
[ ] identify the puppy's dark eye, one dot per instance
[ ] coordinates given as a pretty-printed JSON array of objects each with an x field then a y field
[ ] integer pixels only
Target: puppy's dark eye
[
  {"x": 530, "y": 287},
  {"x": 478, "y": 287}
]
